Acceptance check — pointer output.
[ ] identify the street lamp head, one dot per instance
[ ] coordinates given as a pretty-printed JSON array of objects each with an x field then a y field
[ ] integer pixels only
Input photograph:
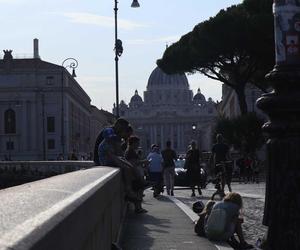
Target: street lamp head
[
  {"x": 73, "y": 73},
  {"x": 135, "y": 4},
  {"x": 71, "y": 63}
]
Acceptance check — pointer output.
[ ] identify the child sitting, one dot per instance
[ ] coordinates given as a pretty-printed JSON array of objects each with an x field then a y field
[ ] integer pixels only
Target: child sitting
[{"x": 199, "y": 227}]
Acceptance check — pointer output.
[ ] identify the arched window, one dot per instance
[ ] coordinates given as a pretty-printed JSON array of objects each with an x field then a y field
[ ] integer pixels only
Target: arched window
[{"x": 10, "y": 121}]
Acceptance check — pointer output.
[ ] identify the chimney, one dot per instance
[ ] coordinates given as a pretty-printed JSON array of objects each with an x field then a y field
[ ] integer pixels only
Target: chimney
[{"x": 36, "y": 48}]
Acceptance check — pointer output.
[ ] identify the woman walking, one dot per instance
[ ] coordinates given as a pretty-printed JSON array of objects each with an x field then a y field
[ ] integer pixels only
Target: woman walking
[{"x": 192, "y": 164}]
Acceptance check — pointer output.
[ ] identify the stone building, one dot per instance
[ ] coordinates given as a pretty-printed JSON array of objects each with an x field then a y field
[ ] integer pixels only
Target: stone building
[
  {"x": 44, "y": 110},
  {"x": 229, "y": 106},
  {"x": 170, "y": 111}
]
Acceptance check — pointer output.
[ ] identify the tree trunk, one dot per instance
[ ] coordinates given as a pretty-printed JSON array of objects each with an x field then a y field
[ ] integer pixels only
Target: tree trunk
[{"x": 240, "y": 92}]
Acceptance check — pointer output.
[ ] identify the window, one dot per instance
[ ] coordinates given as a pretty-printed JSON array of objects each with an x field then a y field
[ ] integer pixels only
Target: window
[
  {"x": 50, "y": 124},
  {"x": 9, "y": 122},
  {"x": 10, "y": 145},
  {"x": 51, "y": 144},
  {"x": 49, "y": 80}
]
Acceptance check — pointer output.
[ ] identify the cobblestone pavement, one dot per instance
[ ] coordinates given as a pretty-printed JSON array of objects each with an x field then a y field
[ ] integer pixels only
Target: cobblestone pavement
[{"x": 253, "y": 198}]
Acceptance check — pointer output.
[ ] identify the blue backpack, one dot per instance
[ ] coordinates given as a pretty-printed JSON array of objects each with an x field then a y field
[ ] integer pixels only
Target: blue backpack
[{"x": 216, "y": 224}]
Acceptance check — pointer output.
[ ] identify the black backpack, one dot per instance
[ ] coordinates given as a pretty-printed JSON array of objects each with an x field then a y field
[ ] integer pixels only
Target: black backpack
[{"x": 199, "y": 227}]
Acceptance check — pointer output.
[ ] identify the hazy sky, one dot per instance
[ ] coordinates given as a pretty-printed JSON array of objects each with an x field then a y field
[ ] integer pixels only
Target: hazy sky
[{"x": 84, "y": 29}]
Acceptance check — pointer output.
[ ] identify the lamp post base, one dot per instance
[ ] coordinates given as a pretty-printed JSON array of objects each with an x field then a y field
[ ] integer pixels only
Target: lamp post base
[{"x": 282, "y": 205}]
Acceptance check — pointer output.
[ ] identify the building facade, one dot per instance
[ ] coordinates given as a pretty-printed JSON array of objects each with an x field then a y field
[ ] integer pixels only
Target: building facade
[
  {"x": 45, "y": 112},
  {"x": 170, "y": 111},
  {"x": 229, "y": 106}
]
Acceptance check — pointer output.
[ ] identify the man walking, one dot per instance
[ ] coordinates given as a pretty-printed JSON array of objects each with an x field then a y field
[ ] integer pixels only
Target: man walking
[
  {"x": 169, "y": 156},
  {"x": 155, "y": 170}
]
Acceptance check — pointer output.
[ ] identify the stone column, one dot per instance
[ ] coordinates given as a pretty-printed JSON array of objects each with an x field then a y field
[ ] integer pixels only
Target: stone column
[
  {"x": 155, "y": 134},
  {"x": 178, "y": 137},
  {"x": 151, "y": 134},
  {"x": 162, "y": 143},
  {"x": 282, "y": 203},
  {"x": 172, "y": 134}
]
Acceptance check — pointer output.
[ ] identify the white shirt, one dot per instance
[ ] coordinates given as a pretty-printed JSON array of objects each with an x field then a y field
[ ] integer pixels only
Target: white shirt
[{"x": 156, "y": 160}]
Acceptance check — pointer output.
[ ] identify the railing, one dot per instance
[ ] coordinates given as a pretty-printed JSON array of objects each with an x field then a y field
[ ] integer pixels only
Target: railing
[{"x": 78, "y": 210}]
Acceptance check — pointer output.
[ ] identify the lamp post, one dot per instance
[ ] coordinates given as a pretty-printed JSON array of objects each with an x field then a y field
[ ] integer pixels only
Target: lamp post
[
  {"x": 196, "y": 134},
  {"x": 71, "y": 63},
  {"x": 282, "y": 203},
  {"x": 119, "y": 50}
]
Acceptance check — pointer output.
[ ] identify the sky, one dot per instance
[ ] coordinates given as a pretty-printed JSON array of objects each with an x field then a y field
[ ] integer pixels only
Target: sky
[{"x": 84, "y": 29}]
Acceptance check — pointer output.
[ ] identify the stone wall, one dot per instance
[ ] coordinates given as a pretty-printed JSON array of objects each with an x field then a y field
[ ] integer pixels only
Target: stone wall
[
  {"x": 81, "y": 210},
  {"x": 14, "y": 173}
]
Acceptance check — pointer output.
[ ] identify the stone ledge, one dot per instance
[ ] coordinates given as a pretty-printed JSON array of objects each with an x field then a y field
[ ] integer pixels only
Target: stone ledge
[{"x": 69, "y": 211}]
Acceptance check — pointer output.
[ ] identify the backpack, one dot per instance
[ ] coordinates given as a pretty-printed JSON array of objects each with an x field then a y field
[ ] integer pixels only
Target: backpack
[
  {"x": 199, "y": 227},
  {"x": 216, "y": 224}
]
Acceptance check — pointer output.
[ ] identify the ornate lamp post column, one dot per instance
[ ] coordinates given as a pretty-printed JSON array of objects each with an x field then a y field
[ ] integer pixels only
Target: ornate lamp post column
[
  {"x": 282, "y": 203},
  {"x": 119, "y": 50},
  {"x": 67, "y": 63}
]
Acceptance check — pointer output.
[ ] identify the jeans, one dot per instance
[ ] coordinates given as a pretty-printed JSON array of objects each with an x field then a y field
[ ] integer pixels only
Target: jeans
[{"x": 169, "y": 175}]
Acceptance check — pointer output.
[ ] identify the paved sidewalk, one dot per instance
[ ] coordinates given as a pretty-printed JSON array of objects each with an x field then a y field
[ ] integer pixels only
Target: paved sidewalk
[{"x": 164, "y": 227}]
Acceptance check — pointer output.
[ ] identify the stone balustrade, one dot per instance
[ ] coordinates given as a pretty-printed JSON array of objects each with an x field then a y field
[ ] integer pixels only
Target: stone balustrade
[{"x": 78, "y": 210}]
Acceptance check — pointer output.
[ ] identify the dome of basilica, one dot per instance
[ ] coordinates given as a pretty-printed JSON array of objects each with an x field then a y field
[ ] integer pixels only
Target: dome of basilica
[
  {"x": 159, "y": 79},
  {"x": 136, "y": 98},
  {"x": 199, "y": 97}
]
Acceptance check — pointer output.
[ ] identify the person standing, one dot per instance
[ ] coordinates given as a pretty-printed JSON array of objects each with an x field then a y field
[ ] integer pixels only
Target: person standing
[
  {"x": 155, "y": 170},
  {"x": 192, "y": 164},
  {"x": 248, "y": 168},
  {"x": 169, "y": 156}
]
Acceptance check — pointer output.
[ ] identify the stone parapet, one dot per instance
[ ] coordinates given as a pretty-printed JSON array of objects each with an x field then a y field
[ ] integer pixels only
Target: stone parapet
[
  {"x": 14, "y": 173},
  {"x": 78, "y": 210}
]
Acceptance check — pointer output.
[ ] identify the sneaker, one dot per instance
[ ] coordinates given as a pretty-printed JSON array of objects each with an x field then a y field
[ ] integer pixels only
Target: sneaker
[{"x": 141, "y": 211}]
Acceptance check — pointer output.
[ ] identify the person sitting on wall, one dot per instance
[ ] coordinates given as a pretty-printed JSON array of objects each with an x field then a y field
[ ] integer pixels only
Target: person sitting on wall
[
  {"x": 111, "y": 154},
  {"x": 138, "y": 183},
  {"x": 120, "y": 129}
]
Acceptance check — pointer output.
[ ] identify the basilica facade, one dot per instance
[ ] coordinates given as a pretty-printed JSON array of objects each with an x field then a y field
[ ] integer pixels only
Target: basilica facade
[{"x": 170, "y": 111}]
